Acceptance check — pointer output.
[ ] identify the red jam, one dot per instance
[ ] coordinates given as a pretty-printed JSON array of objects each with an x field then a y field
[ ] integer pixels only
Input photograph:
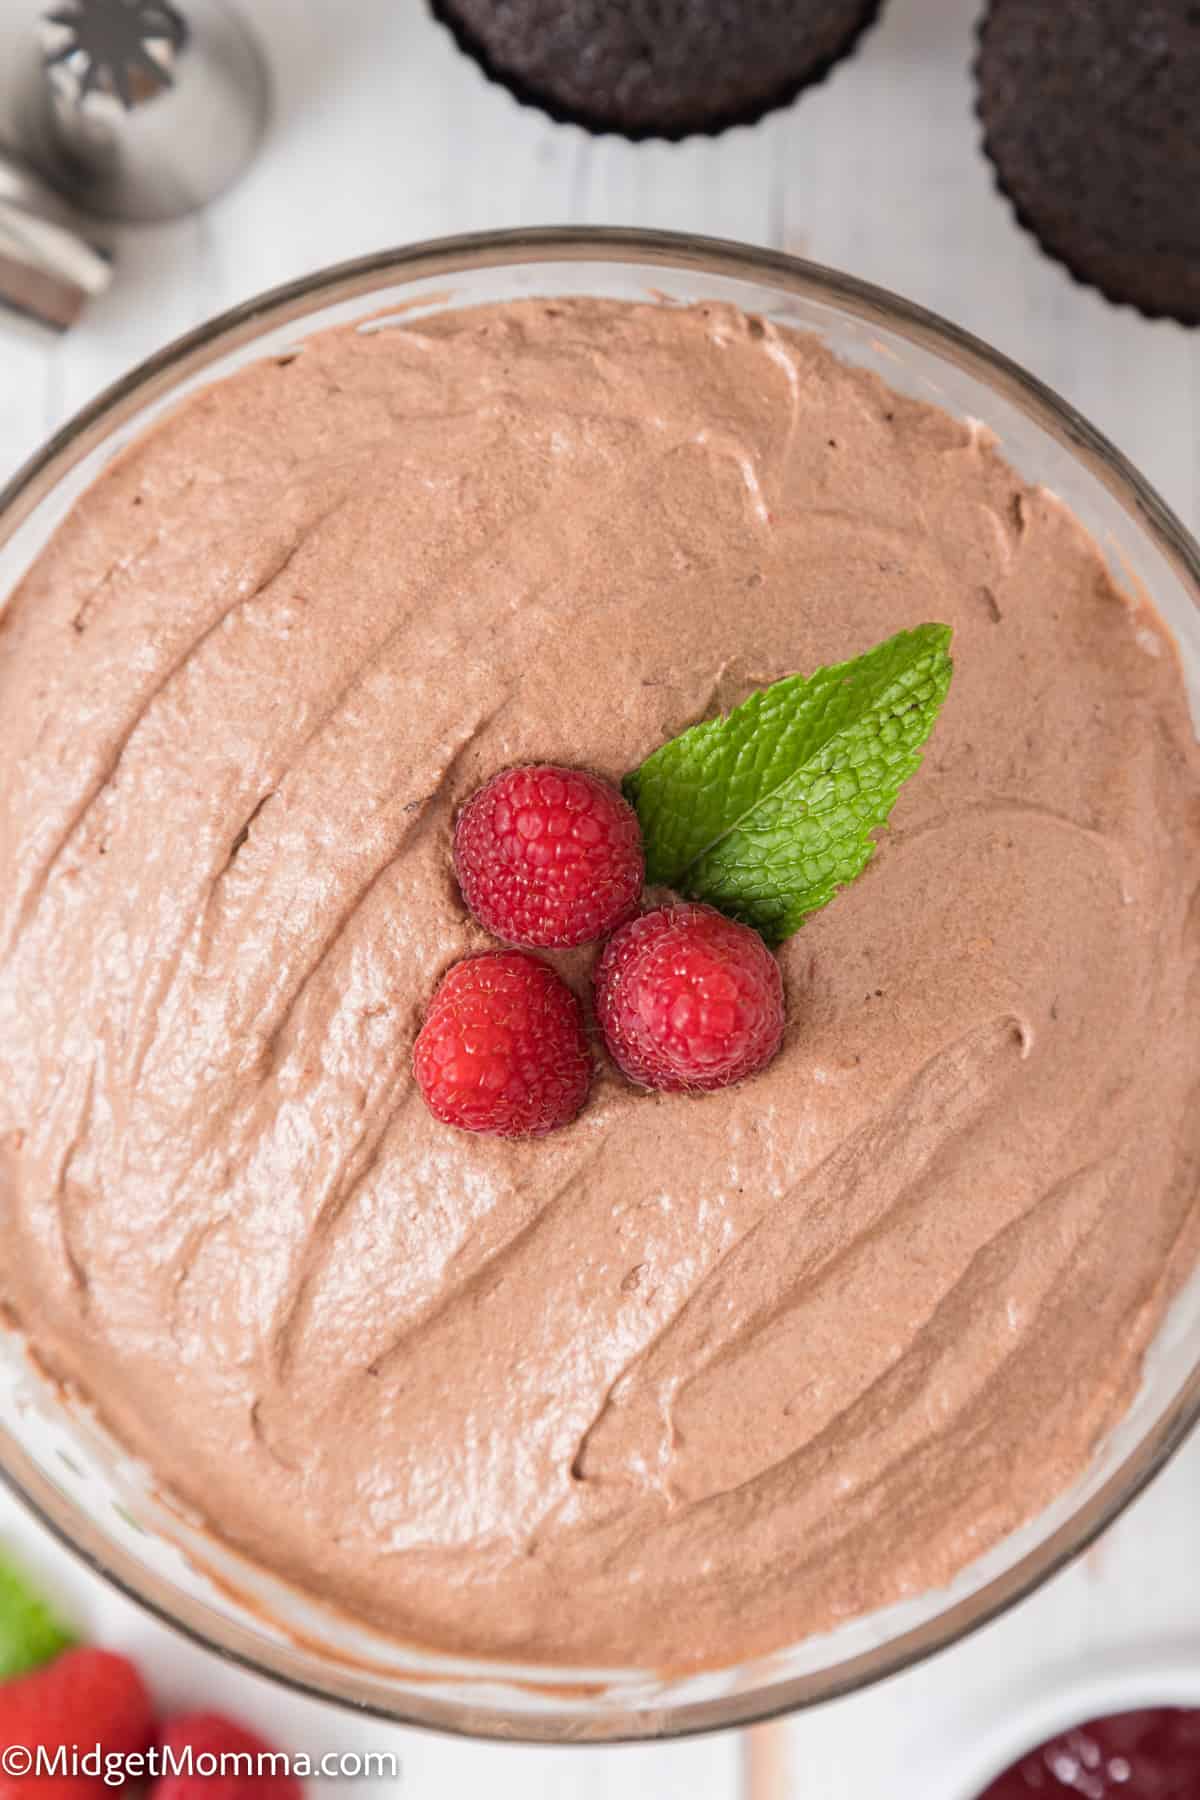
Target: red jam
[{"x": 1134, "y": 1756}]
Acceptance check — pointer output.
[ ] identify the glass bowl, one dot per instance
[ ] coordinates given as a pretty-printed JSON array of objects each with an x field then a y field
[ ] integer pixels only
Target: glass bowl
[{"x": 104, "y": 1506}]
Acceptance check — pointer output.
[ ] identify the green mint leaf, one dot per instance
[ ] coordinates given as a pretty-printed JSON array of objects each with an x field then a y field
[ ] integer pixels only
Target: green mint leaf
[
  {"x": 30, "y": 1635},
  {"x": 767, "y": 812}
]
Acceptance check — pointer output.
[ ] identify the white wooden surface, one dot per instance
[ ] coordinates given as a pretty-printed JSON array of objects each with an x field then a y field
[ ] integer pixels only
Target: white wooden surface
[{"x": 383, "y": 134}]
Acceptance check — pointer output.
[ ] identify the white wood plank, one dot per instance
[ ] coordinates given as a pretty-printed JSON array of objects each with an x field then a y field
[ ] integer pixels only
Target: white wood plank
[
  {"x": 700, "y": 1770},
  {"x": 26, "y": 362}
]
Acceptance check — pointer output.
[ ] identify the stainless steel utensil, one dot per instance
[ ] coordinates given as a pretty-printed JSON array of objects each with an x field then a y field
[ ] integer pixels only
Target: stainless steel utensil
[
  {"x": 142, "y": 110},
  {"x": 49, "y": 267}
]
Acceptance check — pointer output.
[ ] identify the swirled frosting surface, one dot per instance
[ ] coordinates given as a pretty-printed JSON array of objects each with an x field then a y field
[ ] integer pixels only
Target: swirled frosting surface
[{"x": 695, "y": 1376}]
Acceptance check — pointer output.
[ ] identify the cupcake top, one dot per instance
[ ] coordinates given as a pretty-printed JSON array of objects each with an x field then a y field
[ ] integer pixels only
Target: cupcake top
[
  {"x": 1089, "y": 110},
  {"x": 657, "y": 68},
  {"x": 696, "y": 1374}
]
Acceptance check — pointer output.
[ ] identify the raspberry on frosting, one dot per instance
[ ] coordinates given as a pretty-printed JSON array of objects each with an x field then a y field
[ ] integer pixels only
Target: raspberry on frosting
[
  {"x": 503, "y": 1048},
  {"x": 687, "y": 998},
  {"x": 549, "y": 857}
]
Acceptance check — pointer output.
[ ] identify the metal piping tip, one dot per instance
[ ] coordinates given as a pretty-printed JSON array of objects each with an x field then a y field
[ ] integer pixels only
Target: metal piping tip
[{"x": 142, "y": 110}]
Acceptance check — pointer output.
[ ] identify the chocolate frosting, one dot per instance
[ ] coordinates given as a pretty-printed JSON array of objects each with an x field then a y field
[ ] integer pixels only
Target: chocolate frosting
[{"x": 696, "y": 1375}]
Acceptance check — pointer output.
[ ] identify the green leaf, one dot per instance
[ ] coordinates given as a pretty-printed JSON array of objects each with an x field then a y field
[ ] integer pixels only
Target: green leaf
[
  {"x": 767, "y": 812},
  {"x": 30, "y": 1635}
]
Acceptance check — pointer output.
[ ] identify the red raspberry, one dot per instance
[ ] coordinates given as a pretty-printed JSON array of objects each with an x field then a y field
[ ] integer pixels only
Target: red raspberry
[
  {"x": 549, "y": 857},
  {"x": 503, "y": 1047},
  {"x": 212, "y": 1735},
  {"x": 85, "y": 1697},
  {"x": 687, "y": 998}
]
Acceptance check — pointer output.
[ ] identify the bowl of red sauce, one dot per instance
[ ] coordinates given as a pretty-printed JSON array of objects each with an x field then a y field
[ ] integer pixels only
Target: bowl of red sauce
[{"x": 1129, "y": 1733}]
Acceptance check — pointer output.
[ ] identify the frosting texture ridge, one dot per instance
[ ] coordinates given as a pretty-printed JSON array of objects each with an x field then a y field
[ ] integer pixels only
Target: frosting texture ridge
[{"x": 697, "y": 1375}]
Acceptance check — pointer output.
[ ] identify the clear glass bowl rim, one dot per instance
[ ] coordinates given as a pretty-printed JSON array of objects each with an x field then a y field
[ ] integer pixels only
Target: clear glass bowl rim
[{"x": 447, "y": 257}]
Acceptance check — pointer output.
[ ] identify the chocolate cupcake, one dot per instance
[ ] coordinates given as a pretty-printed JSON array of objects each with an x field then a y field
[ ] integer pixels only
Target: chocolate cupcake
[
  {"x": 656, "y": 68},
  {"x": 1089, "y": 109}
]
